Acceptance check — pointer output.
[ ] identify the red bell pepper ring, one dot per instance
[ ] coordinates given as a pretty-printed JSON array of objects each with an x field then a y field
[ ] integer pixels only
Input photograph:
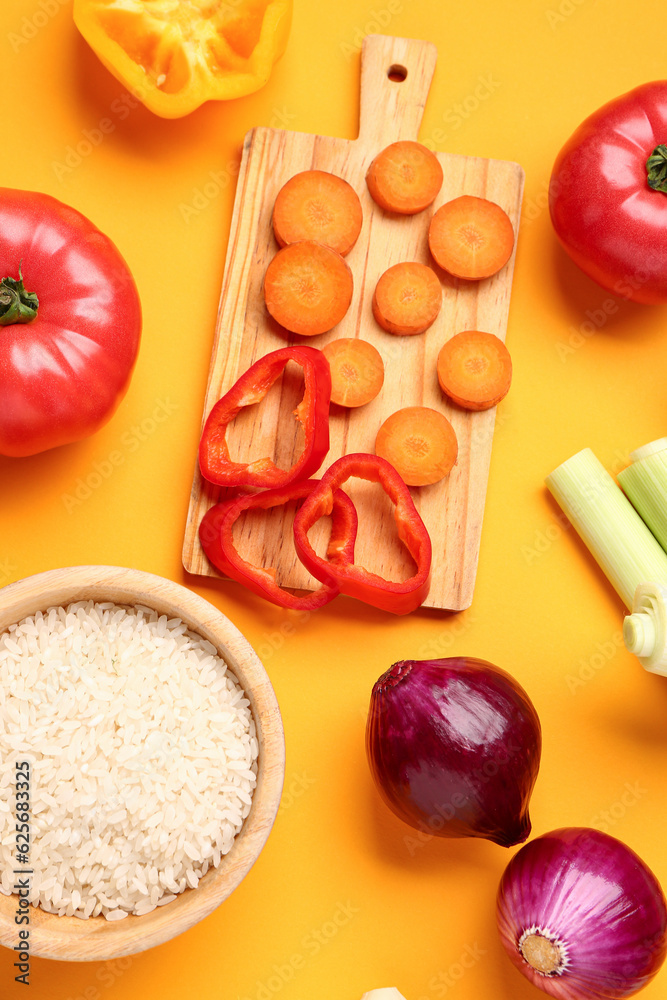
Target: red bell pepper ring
[
  {"x": 355, "y": 581},
  {"x": 312, "y": 413},
  {"x": 215, "y": 533}
]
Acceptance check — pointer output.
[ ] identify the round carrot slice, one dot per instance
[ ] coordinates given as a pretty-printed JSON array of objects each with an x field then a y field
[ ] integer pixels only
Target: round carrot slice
[
  {"x": 405, "y": 177},
  {"x": 357, "y": 371},
  {"x": 308, "y": 288},
  {"x": 407, "y": 298},
  {"x": 316, "y": 205},
  {"x": 475, "y": 369},
  {"x": 471, "y": 237},
  {"x": 420, "y": 443}
]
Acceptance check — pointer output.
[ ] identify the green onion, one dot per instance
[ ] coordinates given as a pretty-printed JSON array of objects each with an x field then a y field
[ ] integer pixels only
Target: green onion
[
  {"x": 613, "y": 531},
  {"x": 645, "y": 483}
]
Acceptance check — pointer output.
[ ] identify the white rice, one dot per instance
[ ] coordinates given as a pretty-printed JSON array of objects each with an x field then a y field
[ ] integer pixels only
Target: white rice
[{"x": 143, "y": 757}]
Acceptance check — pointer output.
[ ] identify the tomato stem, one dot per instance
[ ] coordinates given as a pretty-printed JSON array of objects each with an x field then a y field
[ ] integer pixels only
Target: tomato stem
[
  {"x": 656, "y": 167},
  {"x": 16, "y": 304}
]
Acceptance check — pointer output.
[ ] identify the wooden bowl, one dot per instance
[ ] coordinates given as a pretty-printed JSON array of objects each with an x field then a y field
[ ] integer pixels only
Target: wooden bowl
[{"x": 97, "y": 939}]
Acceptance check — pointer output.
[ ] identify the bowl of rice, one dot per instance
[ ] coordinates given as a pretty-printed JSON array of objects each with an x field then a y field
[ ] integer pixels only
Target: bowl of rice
[{"x": 141, "y": 761}]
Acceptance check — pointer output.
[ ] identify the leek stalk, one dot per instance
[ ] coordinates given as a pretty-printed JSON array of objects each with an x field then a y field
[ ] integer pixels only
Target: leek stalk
[
  {"x": 613, "y": 531},
  {"x": 624, "y": 548},
  {"x": 645, "y": 483}
]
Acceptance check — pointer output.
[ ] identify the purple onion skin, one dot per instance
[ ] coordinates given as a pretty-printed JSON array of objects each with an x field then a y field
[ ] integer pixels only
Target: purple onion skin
[
  {"x": 454, "y": 748},
  {"x": 598, "y": 902}
]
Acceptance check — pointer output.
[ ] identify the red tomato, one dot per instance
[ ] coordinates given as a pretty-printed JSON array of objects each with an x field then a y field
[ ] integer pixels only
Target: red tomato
[
  {"x": 63, "y": 373},
  {"x": 608, "y": 218}
]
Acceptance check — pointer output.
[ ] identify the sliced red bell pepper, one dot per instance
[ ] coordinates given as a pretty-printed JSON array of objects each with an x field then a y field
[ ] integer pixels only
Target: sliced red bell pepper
[
  {"x": 355, "y": 581},
  {"x": 215, "y": 533},
  {"x": 312, "y": 413}
]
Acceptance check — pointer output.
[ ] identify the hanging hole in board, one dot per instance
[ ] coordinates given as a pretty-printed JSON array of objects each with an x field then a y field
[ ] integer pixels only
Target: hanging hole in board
[{"x": 397, "y": 73}]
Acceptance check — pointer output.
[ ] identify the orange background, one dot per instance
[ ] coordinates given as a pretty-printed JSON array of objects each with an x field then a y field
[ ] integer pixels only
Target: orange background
[{"x": 338, "y": 866}]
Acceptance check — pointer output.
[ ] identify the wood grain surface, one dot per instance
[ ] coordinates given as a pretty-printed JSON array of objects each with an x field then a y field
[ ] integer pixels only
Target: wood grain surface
[{"x": 391, "y": 109}]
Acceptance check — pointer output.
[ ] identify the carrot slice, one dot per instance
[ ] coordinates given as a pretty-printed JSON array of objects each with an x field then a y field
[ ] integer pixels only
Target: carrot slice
[
  {"x": 405, "y": 177},
  {"x": 471, "y": 237},
  {"x": 420, "y": 443},
  {"x": 357, "y": 371},
  {"x": 475, "y": 369},
  {"x": 407, "y": 298},
  {"x": 308, "y": 288},
  {"x": 317, "y": 205}
]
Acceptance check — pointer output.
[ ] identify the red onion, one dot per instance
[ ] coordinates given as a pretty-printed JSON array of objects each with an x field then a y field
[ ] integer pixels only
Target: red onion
[
  {"x": 454, "y": 747},
  {"x": 582, "y": 916}
]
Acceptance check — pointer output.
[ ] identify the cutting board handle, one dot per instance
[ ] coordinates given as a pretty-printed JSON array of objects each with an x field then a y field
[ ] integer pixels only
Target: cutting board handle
[{"x": 396, "y": 76}]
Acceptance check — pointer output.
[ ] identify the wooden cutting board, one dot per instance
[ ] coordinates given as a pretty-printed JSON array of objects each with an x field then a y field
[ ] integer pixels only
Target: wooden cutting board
[{"x": 396, "y": 75}]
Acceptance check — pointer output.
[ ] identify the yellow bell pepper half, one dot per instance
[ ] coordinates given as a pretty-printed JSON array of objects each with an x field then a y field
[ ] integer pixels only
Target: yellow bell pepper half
[{"x": 175, "y": 54}]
